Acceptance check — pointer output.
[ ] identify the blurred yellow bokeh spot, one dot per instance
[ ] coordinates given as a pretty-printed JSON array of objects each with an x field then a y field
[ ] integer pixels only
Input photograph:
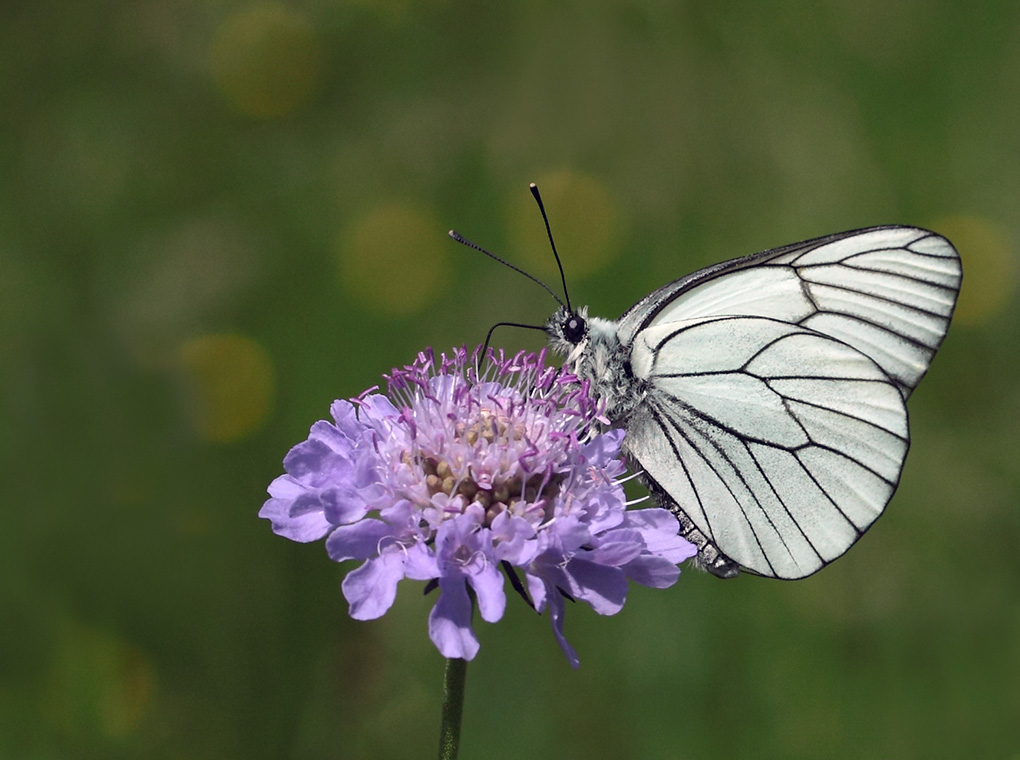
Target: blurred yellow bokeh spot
[
  {"x": 394, "y": 259},
  {"x": 989, "y": 266},
  {"x": 231, "y": 384},
  {"x": 266, "y": 60},
  {"x": 585, "y": 222},
  {"x": 97, "y": 683}
]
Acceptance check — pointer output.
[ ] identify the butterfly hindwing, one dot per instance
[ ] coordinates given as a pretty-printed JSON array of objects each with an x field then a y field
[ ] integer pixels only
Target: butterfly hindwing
[{"x": 780, "y": 444}]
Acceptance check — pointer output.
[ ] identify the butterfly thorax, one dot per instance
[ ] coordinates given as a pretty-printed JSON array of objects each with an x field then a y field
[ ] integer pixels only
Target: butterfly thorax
[{"x": 593, "y": 351}]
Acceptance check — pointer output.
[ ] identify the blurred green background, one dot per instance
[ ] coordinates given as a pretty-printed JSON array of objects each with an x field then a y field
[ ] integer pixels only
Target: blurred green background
[{"x": 216, "y": 217}]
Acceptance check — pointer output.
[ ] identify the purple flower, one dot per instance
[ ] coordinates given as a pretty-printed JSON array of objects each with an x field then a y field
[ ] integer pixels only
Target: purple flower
[{"x": 453, "y": 476}]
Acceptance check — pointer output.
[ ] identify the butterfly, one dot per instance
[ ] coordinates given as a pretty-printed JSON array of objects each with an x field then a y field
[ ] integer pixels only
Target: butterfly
[{"x": 764, "y": 398}]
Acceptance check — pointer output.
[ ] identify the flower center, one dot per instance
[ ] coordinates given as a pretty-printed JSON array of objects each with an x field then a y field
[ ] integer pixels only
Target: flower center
[
  {"x": 510, "y": 487},
  {"x": 494, "y": 428}
]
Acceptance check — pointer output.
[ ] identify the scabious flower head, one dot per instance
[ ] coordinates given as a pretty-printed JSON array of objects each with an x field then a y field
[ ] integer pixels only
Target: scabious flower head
[{"x": 457, "y": 474}]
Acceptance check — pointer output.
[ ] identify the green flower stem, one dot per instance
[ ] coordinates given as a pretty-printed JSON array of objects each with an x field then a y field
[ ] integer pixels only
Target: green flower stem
[{"x": 453, "y": 706}]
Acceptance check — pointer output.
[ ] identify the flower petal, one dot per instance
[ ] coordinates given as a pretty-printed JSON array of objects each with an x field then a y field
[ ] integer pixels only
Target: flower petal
[
  {"x": 376, "y": 408},
  {"x": 618, "y": 548},
  {"x": 537, "y": 589},
  {"x": 421, "y": 564},
  {"x": 285, "y": 487},
  {"x": 315, "y": 464},
  {"x": 488, "y": 586},
  {"x": 450, "y": 621},
  {"x": 609, "y": 517},
  {"x": 659, "y": 529},
  {"x": 603, "y": 448},
  {"x": 346, "y": 417},
  {"x": 569, "y": 532},
  {"x": 513, "y": 539},
  {"x": 304, "y": 528},
  {"x": 556, "y": 615},
  {"x": 342, "y": 505},
  {"x": 335, "y": 438},
  {"x": 650, "y": 570},
  {"x": 372, "y": 588},
  {"x": 360, "y": 540},
  {"x": 604, "y": 588}
]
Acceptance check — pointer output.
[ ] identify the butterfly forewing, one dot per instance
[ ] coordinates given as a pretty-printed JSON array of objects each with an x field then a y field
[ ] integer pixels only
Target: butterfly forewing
[{"x": 887, "y": 291}]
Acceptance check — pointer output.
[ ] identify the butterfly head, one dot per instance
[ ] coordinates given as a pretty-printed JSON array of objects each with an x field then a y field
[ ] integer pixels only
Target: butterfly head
[{"x": 568, "y": 331}]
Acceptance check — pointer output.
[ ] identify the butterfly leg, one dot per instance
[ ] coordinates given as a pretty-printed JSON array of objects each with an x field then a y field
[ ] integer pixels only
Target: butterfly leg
[{"x": 709, "y": 557}]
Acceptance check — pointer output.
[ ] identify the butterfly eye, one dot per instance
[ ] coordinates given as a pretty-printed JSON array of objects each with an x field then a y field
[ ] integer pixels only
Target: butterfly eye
[{"x": 574, "y": 329}]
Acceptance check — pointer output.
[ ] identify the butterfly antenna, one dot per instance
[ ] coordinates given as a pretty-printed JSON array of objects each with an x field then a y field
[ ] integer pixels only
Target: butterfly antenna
[
  {"x": 548, "y": 230},
  {"x": 464, "y": 241},
  {"x": 488, "y": 337}
]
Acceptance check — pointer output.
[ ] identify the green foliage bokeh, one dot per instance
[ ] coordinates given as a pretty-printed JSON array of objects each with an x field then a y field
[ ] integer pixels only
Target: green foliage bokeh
[{"x": 217, "y": 217}]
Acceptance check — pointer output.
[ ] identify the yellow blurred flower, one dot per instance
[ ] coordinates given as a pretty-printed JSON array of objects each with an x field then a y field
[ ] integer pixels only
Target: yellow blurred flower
[
  {"x": 231, "y": 384},
  {"x": 266, "y": 60},
  {"x": 989, "y": 266},
  {"x": 585, "y": 221},
  {"x": 394, "y": 259}
]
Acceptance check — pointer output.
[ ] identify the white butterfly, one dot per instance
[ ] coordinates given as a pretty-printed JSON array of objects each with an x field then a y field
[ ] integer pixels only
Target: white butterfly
[{"x": 764, "y": 398}]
